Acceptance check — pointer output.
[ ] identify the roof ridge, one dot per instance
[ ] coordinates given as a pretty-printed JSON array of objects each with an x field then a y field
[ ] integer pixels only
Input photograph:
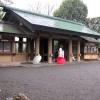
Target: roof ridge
[{"x": 46, "y": 16}]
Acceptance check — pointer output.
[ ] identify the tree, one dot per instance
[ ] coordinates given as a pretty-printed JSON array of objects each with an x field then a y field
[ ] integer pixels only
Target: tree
[
  {"x": 94, "y": 23},
  {"x": 49, "y": 9},
  {"x": 72, "y": 10}
]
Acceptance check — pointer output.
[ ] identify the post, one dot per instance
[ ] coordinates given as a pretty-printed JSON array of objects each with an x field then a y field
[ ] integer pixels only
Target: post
[
  {"x": 13, "y": 50},
  {"x": 78, "y": 51},
  {"x": 28, "y": 48},
  {"x": 50, "y": 50},
  {"x": 37, "y": 45},
  {"x": 70, "y": 50}
]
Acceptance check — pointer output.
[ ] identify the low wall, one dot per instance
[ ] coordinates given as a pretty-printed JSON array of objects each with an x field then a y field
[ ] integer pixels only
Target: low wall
[
  {"x": 13, "y": 57},
  {"x": 91, "y": 56},
  {"x": 19, "y": 57},
  {"x": 5, "y": 58}
]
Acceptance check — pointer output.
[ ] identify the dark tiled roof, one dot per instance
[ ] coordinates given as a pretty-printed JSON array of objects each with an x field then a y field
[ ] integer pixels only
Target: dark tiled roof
[
  {"x": 54, "y": 22},
  {"x": 90, "y": 39}
]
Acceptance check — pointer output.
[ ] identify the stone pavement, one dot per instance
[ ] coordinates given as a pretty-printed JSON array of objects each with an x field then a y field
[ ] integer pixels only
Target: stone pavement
[
  {"x": 76, "y": 81},
  {"x": 10, "y": 64}
]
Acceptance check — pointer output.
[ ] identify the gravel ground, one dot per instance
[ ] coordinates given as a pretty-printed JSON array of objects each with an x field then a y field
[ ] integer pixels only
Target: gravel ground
[{"x": 80, "y": 81}]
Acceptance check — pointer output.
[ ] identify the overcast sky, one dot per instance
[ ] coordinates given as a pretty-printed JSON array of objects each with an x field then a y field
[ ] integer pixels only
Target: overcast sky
[{"x": 93, "y": 5}]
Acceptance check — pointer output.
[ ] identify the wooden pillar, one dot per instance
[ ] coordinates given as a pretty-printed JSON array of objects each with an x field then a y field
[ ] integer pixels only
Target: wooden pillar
[
  {"x": 28, "y": 45},
  {"x": 28, "y": 49},
  {"x": 50, "y": 50},
  {"x": 13, "y": 49},
  {"x": 38, "y": 45},
  {"x": 97, "y": 50},
  {"x": 70, "y": 50},
  {"x": 78, "y": 51}
]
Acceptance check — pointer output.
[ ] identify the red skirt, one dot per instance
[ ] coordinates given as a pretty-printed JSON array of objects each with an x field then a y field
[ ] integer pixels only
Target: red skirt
[{"x": 61, "y": 60}]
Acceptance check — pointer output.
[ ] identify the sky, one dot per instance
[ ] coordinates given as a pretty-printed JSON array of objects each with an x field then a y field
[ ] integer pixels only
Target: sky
[{"x": 93, "y": 5}]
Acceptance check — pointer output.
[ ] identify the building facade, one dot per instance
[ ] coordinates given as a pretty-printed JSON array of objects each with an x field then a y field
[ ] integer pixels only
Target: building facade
[{"x": 25, "y": 34}]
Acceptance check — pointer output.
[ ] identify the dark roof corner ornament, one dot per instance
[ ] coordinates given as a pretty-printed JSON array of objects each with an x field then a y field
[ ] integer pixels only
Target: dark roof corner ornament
[
  {"x": 2, "y": 13},
  {"x": 97, "y": 38},
  {"x": 20, "y": 24}
]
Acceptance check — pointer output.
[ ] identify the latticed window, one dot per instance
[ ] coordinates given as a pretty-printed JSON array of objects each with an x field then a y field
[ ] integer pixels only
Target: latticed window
[
  {"x": 90, "y": 48},
  {"x": 5, "y": 46},
  {"x": 20, "y": 45}
]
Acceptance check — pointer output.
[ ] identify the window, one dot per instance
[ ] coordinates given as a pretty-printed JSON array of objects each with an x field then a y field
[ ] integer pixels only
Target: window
[
  {"x": 1, "y": 47},
  {"x": 85, "y": 49},
  {"x": 5, "y": 47},
  {"x": 16, "y": 38},
  {"x": 20, "y": 44},
  {"x": 24, "y": 39},
  {"x": 24, "y": 47},
  {"x": 90, "y": 48},
  {"x": 16, "y": 47}
]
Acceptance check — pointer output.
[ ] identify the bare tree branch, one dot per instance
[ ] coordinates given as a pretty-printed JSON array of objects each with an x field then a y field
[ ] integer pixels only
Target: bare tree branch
[
  {"x": 6, "y": 2},
  {"x": 38, "y": 7}
]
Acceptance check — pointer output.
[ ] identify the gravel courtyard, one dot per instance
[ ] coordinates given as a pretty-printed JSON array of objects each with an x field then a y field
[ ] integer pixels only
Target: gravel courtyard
[{"x": 80, "y": 81}]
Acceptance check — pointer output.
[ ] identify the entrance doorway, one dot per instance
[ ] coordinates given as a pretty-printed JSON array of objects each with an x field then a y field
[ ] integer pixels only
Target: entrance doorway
[
  {"x": 44, "y": 49},
  {"x": 56, "y": 46}
]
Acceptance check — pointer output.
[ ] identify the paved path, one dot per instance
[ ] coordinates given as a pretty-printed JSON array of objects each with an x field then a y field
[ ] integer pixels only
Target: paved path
[{"x": 68, "y": 82}]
